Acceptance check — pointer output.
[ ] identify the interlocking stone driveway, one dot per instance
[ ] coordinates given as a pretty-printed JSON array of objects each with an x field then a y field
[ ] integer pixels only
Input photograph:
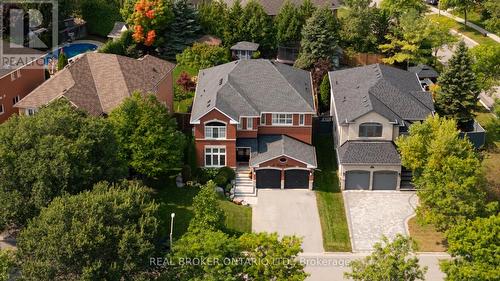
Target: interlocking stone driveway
[
  {"x": 289, "y": 212},
  {"x": 371, "y": 214}
]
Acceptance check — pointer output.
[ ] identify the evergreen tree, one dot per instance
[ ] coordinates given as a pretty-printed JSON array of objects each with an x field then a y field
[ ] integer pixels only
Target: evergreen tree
[
  {"x": 324, "y": 91},
  {"x": 257, "y": 25},
  {"x": 183, "y": 30},
  {"x": 288, "y": 24},
  {"x": 458, "y": 94},
  {"x": 319, "y": 38},
  {"x": 306, "y": 10}
]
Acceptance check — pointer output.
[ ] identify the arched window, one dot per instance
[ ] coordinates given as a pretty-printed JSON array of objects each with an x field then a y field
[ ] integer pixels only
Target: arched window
[
  {"x": 215, "y": 130},
  {"x": 370, "y": 130}
]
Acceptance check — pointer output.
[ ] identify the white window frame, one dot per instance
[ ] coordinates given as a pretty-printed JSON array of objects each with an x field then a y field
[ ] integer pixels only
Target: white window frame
[
  {"x": 239, "y": 126},
  {"x": 2, "y": 109},
  {"x": 15, "y": 100},
  {"x": 215, "y": 151},
  {"x": 221, "y": 131},
  {"x": 282, "y": 119},
  {"x": 263, "y": 119},
  {"x": 302, "y": 119},
  {"x": 249, "y": 123},
  {"x": 31, "y": 111}
]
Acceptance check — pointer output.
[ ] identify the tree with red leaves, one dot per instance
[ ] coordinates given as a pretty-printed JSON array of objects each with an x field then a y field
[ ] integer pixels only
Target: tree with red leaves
[{"x": 149, "y": 19}]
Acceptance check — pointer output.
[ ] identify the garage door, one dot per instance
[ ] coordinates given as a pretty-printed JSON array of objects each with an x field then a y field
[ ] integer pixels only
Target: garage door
[
  {"x": 357, "y": 180},
  {"x": 296, "y": 179},
  {"x": 268, "y": 178},
  {"x": 385, "y": 180}
]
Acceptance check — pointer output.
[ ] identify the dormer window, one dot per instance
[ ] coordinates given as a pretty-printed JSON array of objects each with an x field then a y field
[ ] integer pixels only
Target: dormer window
[
  {"x": 370, "y": 130},
  {"x": 215, "y": 130}
]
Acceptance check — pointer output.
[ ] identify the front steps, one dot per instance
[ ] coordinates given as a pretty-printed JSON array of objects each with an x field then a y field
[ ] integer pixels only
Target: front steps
[{"x": 244, "y": 185}]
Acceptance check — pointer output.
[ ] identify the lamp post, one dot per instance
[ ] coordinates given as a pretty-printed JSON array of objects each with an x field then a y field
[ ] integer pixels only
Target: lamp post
[{"x": 171, "y": 228}]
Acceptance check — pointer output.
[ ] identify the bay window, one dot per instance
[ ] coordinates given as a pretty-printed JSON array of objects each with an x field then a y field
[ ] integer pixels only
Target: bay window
[
  {"x": 215, "y": 130},
  {"x": 282, "y": 119},
  {"x": 215, "y": 156}
]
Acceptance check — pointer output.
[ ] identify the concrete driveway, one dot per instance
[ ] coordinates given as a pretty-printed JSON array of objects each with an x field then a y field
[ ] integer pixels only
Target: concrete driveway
[
  {"x": 371, "y": 214},
  {"x": 289, "y": 212}
]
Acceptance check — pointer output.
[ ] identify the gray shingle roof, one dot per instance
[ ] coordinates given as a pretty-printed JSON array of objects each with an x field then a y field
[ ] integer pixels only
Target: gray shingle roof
[
  {"x": 15, "y": 56},
  {"x": 250, "y": 87},
  {"x": 274, "y": 146},
  {"x": 424, "y": 71},
  {"x": 393, "y": 93},
  {"x": 99, "y": 82},
  {"x": 245, "y": 46},
  {"x": 369, "y": 152},
  {"x": 272, "y": 7}
]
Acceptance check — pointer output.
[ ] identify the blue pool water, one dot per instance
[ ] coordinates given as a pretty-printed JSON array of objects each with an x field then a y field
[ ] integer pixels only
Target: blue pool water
[{"x": 71, "y": 50}]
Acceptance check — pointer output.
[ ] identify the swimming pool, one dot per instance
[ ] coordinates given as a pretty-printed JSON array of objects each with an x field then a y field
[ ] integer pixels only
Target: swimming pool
[{"x": 71, "y": 50}]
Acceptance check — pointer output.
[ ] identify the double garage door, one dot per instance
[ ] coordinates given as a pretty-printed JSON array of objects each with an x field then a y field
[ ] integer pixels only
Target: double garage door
[
  {"x": 271, "y": 178},
  {"x": 360, "y": 180}
]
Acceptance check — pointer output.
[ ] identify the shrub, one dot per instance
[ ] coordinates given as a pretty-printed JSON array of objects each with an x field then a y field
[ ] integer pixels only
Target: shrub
[
  {"x": 225, "y": 176},
  {"x": 207, "y": 212},
  {"x": 186, "y": 82},
  {"x": 62, "y": 60},
  {"x": 123, "y": 46},
  {"x": 202, "y": 55},
  {"x": 100, "y": 15},
  {"x": 207, "y": 174}
]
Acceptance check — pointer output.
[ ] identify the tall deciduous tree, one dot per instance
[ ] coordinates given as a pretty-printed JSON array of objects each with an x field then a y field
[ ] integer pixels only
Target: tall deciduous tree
[
  {"x": 319, "y": 38},
  {"x": 149, "y": 20},
  {"x": 475, "y": 249},
  {"x": 462, "y": 5},
  {"x": 257, "y": 25},
  {"x": 213, "y": 17},
  {"x": 446, "y": 170},
  {"x": 147, "y": 135},
  {"x": 183, "y": 31},
  {"x": 288, "y": 24},
  {"x": 109, "y": 233},
  {"x": 486, "y": 65},
  {"x": 390, "y": 260},
  {"x": 458, "y": 93},
  {"x": 58, "y": 150},
  {"x": 396, "y": 8}
]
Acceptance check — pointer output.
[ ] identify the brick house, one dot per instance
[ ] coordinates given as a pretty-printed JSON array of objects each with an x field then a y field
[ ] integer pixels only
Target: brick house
[
  {"x": 98, "y": 83},
  {"x": 19, "y": 79},
  {"x": 256, "y": 116},
  {"x": 371, "y": 106}
]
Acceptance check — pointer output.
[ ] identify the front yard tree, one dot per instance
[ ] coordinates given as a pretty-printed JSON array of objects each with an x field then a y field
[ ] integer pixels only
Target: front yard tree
[
  {"x": 462, "y": 5},
  {"x": 390, "y": 260},
  {"x": 108, "y": 233},
  {"x": 148, "y": 135},
  {"x": 288, "y": 24},
  {"x": 319, "y": 38},
  {"x": 396, "y": 8},
  {"x": 58, "y": 150},
  {"x": 206, "y": 209},
  {"x": 486, "y": 65},
  {"x": 474, "y": 246},
  {"x": 446, "y": 170},
  {"x": 183, "y": 30},
  {"x": 458, "y": 93}
]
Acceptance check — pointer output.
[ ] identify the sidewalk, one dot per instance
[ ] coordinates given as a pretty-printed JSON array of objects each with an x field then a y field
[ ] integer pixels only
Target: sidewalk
[{"x": 469, "y": 24}]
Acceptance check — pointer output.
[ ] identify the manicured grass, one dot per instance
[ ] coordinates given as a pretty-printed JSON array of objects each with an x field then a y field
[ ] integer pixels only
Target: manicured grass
[
  {"x": 465, "y": 30},
  {"x": 238, "y": 218},
  {"x": 182, "y": 105},
  {"x": 329, "y": 198},
  {"x": 491, "y": 155},
  {"x": 180, "y": 200},
  {"x": 473, "y": 17},
  {"x": 427, "y": 237}
]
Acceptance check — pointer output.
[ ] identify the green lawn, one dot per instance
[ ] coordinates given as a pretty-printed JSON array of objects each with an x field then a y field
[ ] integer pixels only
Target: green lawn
[
  {"x": 465, "y": 30},
  {"x": 179, "y": 201},
  {"x": 474, "y": 17},
  {"x": 329, "y": 198},
  {"x": 182, "y": 105}
]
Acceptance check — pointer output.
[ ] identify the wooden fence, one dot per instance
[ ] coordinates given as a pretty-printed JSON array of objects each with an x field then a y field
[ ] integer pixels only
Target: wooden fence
[{"x": 360, "y": 59}]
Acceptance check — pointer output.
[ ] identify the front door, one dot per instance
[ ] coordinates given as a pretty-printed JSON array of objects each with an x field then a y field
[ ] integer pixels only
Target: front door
[{"x": 243, "y": 154}]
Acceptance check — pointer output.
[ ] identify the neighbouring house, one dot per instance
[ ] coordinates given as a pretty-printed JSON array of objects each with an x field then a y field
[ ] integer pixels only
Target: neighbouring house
[
  {"x": 426, "y": 74},
  {"x": 371, "y": 106},
  {"x": 244, "y": 50},
  {"x": 118, "y": 30},
  {"x": 256, "y": 116},
  {"x": 98, "y": 83},
  {"x": 272, "y": 7},
  {"x": 18, "y": 76}
]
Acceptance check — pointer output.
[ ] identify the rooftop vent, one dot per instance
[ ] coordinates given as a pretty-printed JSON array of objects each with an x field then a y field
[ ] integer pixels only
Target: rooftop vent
[
  {"x": 220, "y": 81},
  {"x": 155, "y": 70}
]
